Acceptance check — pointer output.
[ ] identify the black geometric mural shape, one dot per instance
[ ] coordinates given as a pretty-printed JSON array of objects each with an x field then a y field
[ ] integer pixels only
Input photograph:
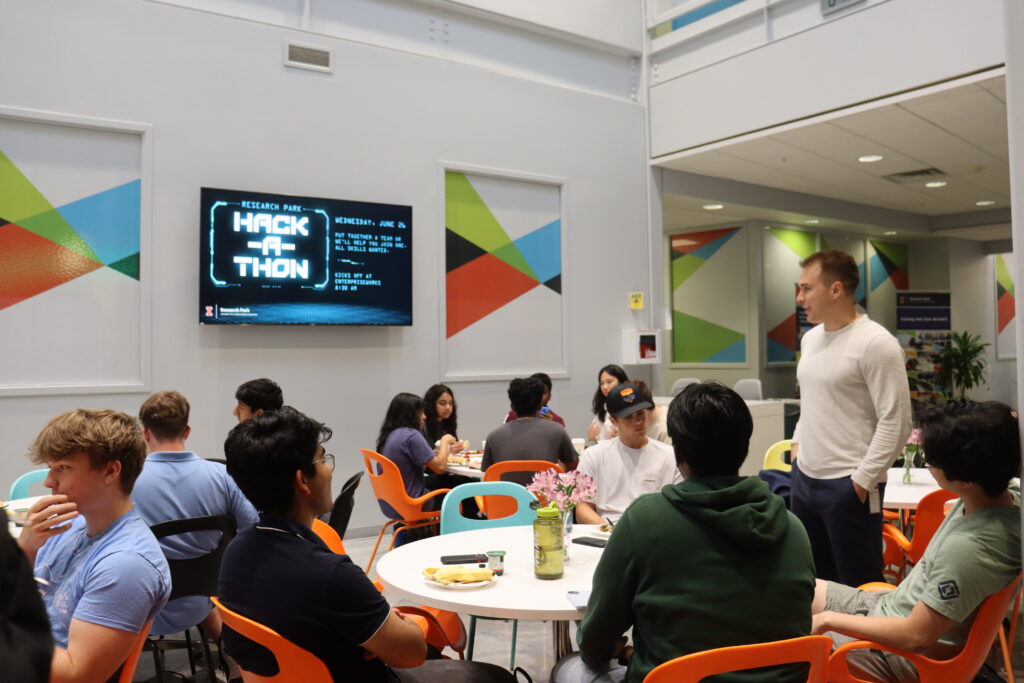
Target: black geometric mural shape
[
  {"x": 555, "y": 284},
  {"x": 459, "y": 251}
]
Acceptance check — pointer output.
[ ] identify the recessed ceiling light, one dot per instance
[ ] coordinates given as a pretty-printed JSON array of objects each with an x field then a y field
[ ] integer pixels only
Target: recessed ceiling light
[
  {"x": 870, "y": 158},
  {"x": 985, "y": 202},
  {"x": 935, "y": 183},
  {"x": 889, "y": 232},
  {"x": 812, "y": 221},
  {"x": 713, "y": 207}
]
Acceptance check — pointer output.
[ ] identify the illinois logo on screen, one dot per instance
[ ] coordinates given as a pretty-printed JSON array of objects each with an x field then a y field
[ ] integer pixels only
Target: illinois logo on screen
[{"x": 259, "y": 244}]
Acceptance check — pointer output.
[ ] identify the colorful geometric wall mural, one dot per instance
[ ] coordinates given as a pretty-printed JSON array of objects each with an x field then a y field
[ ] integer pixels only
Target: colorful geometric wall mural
[
  {"x": 783, "y": 250},
  {"x": 710, "y": 329},
  {"x": 70, "y": 209},
  {"x": 1005, "y": 288},
  {"x": 43, "y": 246},
  {"x": 888, "y": 273},
  {"x": 503, "y": 271}
]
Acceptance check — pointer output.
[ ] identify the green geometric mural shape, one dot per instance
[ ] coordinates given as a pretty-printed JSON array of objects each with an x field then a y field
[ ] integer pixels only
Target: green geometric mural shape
[
  {"x": 802, "y": 243},
  {"x": 685, "y": 266},
  {"x": 19, "y": 198},
  {"x": 1003, "y": 276},
  {"x": 467, "y": 215},
  {"x": 52, "y": 226},
  {"x": 129, "y": 265},
  {"x": 511, "y": 255},
  {"x": 897, "y": 253},
  {"x": 695, "y": 340}
]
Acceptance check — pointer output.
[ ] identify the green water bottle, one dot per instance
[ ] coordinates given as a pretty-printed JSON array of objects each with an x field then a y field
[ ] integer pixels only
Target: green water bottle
[{"x": 548, "y": 557}]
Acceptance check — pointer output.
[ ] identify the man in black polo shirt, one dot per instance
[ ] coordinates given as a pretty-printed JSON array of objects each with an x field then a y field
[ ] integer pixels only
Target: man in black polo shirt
[{"x": 280, "y": 574}]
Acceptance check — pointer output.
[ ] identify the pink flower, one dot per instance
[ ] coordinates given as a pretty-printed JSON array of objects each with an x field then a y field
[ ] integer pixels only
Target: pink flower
[
  {"x": 563, "y": 490},
  {"x": 916, "y": 438}
]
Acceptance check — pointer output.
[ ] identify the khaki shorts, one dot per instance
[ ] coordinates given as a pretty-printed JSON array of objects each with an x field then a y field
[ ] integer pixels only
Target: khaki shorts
[{"x": 882, "y": 665}]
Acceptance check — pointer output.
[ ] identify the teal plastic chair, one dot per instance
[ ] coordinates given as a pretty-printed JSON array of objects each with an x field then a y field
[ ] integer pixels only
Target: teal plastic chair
[
  {"x": 19, "y": 489},
  {"x": 453, "y": 521}
]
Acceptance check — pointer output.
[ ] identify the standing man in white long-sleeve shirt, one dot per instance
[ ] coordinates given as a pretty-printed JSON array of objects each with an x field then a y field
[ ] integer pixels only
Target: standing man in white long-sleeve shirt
[{"x": 854, "y": 421}]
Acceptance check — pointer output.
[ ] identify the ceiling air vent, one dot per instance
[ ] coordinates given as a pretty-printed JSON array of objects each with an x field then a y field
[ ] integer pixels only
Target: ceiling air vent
[
  {"x": 918, "y": 176},
  {"x": 308, "y": 57}
]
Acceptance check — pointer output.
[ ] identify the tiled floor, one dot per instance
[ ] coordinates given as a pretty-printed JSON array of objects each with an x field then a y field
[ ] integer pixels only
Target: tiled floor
[{"x": 534, "y": 650}]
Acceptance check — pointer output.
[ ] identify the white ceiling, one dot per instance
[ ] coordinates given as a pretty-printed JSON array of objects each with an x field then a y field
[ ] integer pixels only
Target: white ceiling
[{"x": 960, "y": 130}]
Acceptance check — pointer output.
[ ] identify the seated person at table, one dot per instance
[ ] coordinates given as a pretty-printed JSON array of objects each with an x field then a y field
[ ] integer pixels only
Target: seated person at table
[
  {"x": 713, "y": 561},
  {"x": 973, "y": 450},
  {"x": 628, "y": 465},
  {"x": 601, "y": 426},
  {"x": 177, "y": 484},
  {"x": 442, "y": 416},
  {"x": 528, "y": 437},
  {"x": 256, "y": 397},
  {"x": 657, "y": 416},
  {"x": 542, "y": 414},
  {"x": 402, "y": 442},
  {"x": 99, "y": 567},
  {"x": 26, "y": 645},
  {"x": 315, "y": 598}
]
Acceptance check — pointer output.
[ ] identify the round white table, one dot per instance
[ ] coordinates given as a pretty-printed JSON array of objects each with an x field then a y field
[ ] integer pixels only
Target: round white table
[
  {"x": 900, "y": 496},
  {"x": 518, "y": 594}
]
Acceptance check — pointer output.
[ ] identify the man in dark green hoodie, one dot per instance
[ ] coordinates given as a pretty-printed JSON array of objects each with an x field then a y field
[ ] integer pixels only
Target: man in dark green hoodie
[{"x": 713, "y": 561}]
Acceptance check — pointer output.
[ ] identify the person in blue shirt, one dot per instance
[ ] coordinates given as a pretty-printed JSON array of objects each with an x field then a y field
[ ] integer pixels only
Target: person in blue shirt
[
  {"x": 100, "y": 570},
  {"x": 178, "y": 484}
]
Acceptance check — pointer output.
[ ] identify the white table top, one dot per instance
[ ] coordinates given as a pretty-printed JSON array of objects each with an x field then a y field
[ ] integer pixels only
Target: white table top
[
  {"x": 902, "y": 496},
  {"x": 515, "y": 595},
  {"x": 15, "y": 505},
  {"x": 465, "y": 471}
]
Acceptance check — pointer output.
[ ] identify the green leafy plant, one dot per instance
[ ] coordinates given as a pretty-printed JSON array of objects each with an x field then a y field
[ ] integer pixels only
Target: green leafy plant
[{"x": 962, "y": 364}]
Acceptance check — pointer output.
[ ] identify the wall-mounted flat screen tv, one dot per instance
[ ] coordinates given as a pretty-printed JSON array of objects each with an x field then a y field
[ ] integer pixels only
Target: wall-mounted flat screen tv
[{"x": 272, "y": 259}]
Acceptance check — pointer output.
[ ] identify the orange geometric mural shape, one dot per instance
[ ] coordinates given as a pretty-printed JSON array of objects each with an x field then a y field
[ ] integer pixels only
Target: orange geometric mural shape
[
  {"x": 785, "y": 332},
  {"x": 481, "y": 287},
  {"x": 30, "y": 264},
  {"x": 1004, "y": 310},
  {"x": 692, "y": 241}
]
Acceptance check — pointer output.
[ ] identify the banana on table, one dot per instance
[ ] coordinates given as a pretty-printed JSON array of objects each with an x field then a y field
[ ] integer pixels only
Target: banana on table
[{"x": 457, "y": 574}]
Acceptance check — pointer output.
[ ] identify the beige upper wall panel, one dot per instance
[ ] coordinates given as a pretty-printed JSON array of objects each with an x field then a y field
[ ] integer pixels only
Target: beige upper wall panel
[{"x": 891, "y": 47}]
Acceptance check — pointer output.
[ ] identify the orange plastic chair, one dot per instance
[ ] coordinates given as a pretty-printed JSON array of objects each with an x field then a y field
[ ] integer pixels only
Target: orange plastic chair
[
  {"x": 441, "y": 627},
  {"x": 132, "y": 661},
  {"x": 389, "y": 487},
  {"x": 293, "y": 662},
  {"x": 496, "y": 507},
  {"x": 929, "y": 515},
  {"x": 329, "y": 536},
  {"x": 988, "y": 623},
  {"x": 692, "y": 668}
]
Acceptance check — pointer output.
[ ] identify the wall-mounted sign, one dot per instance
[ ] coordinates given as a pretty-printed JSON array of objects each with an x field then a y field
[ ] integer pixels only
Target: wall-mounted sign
[
  {"x": 636, "y": 300},
  {"x": 831, "y": 6}
]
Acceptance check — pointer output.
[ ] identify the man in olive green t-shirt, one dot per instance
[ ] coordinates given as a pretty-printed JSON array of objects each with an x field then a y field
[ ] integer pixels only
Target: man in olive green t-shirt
[{"x": 972, "y": 449}]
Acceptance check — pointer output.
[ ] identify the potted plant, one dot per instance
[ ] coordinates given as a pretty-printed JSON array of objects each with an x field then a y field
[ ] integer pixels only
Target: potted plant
[{"x": 962, "y": 364}]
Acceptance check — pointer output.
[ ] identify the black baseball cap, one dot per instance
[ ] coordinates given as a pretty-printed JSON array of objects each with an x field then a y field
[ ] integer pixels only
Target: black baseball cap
[{"x": 625, "y": 399}]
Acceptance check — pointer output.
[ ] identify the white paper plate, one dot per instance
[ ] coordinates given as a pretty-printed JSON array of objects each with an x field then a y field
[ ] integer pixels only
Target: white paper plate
[
  {"x": 597, "y": 533},
  {"x": 460, "y": 586}
]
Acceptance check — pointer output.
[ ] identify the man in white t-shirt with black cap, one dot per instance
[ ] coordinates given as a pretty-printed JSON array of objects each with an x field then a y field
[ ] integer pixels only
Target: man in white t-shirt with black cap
[{"x": 629, "y": 465}]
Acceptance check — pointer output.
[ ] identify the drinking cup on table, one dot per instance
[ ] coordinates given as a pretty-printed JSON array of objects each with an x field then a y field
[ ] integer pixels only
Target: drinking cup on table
[{"x": 579, "y": 445}]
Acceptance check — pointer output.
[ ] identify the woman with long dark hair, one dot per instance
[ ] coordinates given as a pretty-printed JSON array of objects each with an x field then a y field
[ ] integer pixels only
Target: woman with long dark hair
[
  {"x": 609, "y": 377},
  {"x": 402, "y": 442},
  {"x": 442, "y": 416}
]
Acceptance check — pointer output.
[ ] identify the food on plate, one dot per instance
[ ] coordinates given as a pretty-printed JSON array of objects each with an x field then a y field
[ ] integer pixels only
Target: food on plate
[
  {"x": 606, "y": 527},
  {"x": 456, "y": 573}
]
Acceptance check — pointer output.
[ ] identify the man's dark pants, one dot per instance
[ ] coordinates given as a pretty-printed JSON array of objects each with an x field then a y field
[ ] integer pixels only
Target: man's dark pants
[{"x": 846, "y": 537}]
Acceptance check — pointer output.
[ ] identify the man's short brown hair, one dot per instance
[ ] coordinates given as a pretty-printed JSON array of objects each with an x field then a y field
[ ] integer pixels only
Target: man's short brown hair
[
  {"x": 104, "y": 435},
  {"x": 836, "y": 265},
  {"x": 165, "y": 414}
]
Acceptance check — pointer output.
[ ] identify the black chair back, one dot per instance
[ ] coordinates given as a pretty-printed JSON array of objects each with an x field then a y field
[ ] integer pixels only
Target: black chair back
[
  {"x": 344, "y": 503},
  {"x": 197, "y": 575}
]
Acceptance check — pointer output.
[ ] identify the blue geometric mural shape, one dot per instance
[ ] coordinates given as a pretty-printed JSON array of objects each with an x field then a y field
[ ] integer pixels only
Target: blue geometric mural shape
[
  {"x": 108, "y": 221},
  {"x": 702, "y": 13},
  {"x": 542, "y": 249},
  {"x": 709, "y": 249},
  {"x": 878, "y": 272},
  {"x": 859, "y": 295},
  {"x": 737, "y": 353},
  {"x": 779, "y": 353}
]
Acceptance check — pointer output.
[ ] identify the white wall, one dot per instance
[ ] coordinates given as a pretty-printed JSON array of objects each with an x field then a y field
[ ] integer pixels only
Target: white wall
[
  {"x": 889, "y": 47},
  {"x": 226, "y": 113}
]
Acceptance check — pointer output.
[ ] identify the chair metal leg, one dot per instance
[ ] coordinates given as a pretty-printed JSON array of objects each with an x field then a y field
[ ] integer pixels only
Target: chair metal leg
[
  {"x": 158, "y": 661},
  {"x": 380, "y": 535},
  {"x": 472, "y": 638},
  {"x": 210, "y": 668},
  {"x": 188, "y": 648}
]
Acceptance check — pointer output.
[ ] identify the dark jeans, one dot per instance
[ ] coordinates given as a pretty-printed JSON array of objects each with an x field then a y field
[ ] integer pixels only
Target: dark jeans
[
  {"x": 453, "y": 671},
  {"x": 846, "y": 537}
]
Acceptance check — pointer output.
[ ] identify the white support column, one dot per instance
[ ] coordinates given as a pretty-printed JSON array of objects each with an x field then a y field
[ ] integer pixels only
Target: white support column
[{"x": 1014, "y": 28}]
